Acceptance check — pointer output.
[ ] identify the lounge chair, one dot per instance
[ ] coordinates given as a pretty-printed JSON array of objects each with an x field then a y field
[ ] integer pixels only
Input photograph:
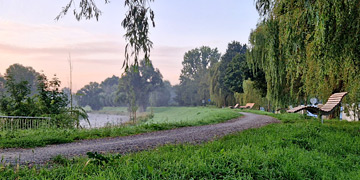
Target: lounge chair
[
  {"x": 234, "y": 107},
  {"x": 247, "y": 106},
  {"x": 333, "y": 101}
]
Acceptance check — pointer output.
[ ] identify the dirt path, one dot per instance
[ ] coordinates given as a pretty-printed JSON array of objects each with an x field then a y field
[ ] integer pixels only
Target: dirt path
[{"x": 196, "y": 134}]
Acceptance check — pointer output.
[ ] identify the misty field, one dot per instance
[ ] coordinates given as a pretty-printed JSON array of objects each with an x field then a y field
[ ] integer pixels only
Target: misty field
[
  {"x": 294, "y": 149},
  {"x": 198, "y": 115},
  {"x": 164, "y": 118}
]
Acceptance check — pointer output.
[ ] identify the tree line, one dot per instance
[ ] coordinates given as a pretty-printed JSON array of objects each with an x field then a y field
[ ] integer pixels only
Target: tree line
[
  {"x": 138, "y": 87},
  {"x": 221, "y": 80}
]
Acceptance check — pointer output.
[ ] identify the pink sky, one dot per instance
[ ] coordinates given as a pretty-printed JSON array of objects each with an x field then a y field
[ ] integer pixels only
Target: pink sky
[{"x": 30, "y": 36}]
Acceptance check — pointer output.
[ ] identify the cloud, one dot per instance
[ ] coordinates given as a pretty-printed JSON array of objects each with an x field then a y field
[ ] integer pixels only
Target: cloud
[
  {"x": 106, "y": 47},
  {"x": 96, "y": 55}
]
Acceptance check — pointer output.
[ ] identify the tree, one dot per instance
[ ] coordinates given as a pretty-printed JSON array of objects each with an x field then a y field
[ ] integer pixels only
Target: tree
[
  {"x": 109, "y": 91},
  {"x": 220, "y": 91},
  {"x": 136, "y": 85},
  {"x": 161, "y": 96},
  {"x": 235, "y": 73},
  {"x": 307, "y": 49},
  {"x": 136, "y": 23},
  {"x": 51, "y": 101},
  {"x": 251, "y": 94},
  {"x": 90, "y": 95},
  {"x": 194, "y": 77},
  {"x": 17, "y": 102},
  {"x": 20, "y": 73}
]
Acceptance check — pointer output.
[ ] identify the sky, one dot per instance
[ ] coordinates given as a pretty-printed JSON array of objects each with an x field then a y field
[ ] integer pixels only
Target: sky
[{"x": 29, "y": 35}]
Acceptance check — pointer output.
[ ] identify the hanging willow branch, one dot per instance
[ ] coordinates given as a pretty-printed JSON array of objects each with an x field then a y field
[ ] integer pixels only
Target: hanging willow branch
[
  {"x": 137, "y": 31},
  {"x": 136, "y": 23}
]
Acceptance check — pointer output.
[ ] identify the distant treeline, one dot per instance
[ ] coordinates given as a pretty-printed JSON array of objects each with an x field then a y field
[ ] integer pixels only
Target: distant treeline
[{"x": 146, "y": 84}]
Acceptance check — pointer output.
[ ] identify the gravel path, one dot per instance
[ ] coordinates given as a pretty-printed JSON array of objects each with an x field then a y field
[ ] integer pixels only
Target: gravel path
[{"x": 196, "y": 134}]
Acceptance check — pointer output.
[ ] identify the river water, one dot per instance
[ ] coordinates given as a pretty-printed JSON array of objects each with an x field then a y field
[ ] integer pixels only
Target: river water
[{"x": 102, "y": 120}]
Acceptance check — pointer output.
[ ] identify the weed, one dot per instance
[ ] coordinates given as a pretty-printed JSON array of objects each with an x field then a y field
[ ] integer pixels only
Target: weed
[{"x": 59, "y": 159}]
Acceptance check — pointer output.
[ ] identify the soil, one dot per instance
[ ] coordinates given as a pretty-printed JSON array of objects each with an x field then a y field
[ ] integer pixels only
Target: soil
[{"x": 193, "y": 135}]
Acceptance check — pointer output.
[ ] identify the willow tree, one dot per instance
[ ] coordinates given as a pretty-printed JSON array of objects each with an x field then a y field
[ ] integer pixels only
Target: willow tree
[
  {"x": 138, "y": 19},
  {"x": 308, "y": 48}
]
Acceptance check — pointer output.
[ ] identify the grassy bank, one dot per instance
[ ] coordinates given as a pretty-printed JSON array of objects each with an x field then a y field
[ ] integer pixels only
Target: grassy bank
[
  {"x": 303, "y": 149},
  {"x": 286, "y": 118},
  {"x": 112, "y": 110},
  {"x": 42, "y": 137}
]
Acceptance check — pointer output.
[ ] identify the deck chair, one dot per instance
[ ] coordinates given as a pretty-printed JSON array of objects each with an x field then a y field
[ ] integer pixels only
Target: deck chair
[
  {"x": 247, "y": 106},
  {"x": 333, "y": 101},
  {"x": 234, "y": 107}
]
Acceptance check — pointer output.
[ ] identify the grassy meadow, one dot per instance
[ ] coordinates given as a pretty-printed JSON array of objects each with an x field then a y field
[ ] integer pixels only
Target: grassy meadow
[
  {"x": 188, "y": 115},
  {"x": 294, "y": 149},
  {"x": 164, "y": 118}
]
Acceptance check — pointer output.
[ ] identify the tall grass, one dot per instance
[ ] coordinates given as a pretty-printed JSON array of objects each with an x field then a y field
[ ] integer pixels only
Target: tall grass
[
  {"x": 42, "y": 137},
  {"x": 303, "y": 149}
]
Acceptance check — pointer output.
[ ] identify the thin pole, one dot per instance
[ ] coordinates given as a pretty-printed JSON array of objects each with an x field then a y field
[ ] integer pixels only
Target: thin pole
[{"x": 71, "y": 98}]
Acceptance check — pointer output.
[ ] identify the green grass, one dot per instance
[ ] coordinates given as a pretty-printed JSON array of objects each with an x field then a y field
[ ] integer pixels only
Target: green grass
[
  {"x": 113, "y": 110},
  {"x": 286, "y": 117},
  {"x": 42, "y": 137},
  {"x": 188, "y": 115},
  {"x": 301, "y": 149}
]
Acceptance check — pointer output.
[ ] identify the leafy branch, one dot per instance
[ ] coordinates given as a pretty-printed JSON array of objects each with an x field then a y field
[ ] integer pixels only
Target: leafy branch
[{"x": 136, "y": 23}]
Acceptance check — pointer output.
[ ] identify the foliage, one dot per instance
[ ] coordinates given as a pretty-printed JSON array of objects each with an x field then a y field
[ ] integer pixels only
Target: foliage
[
  {"x": 90, "y": 95},
  {"x": 161, "y": 96},
  {"x": 305, "y": 149},
  {"x": 109, "y": 88},
  {"x": 107, "y": 94},
  {"x": 194, "y": 77},
  {"x": 2, "y": 85},
  {"x": 47, "y": 100},
  {"x": 307, "y": 49},
  {"x": 50, "y": 99},
  {"x": 100, "y": 95},
  {"x": 135, "y": 23},
  {"x": 220, "y": 86},
  {"x": 137, "y": 84},
  {"x": 21, "y": 73},
  {"x": 161, "y": 121},
  {"x": 251, "y": 95},
  {"x": 137, "y": 31},
  {"x": 16, "y": 102},
  {"x": 235, "y": 73}
]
